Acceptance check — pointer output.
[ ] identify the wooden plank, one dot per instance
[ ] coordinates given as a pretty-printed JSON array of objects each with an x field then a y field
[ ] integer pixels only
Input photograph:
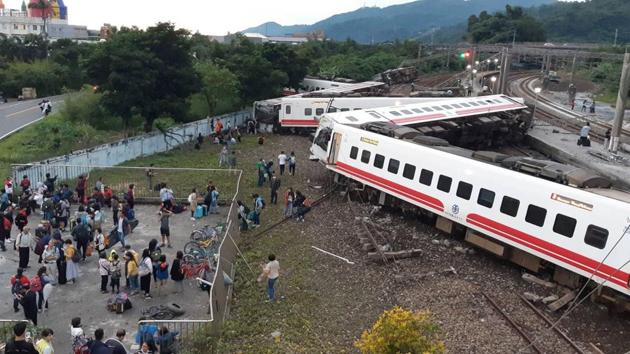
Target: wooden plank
[
  {"x": 554, "y": 306},
  {"x": 534, "y": 279},
  {"x": 484, "y": 243},
  {"x": 566, "y": 278},
  {"x": 444, "y": 224},
  {"x": 525, "y": 260}
]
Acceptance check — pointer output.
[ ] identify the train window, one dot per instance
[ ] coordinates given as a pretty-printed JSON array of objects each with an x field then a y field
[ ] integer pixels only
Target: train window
[
  {"x": 375, "y": 115},
  {"x": 394, "y": 113},
  {"x": 596, "y": 236},
  {"x": 483, "y": 103},
  {"x": 485, "y": 198},
  {"x": 497, "y": 101},
  {"x": 409, "y": 171},
  {"x": 317, "y": 89},
  {"x": 456, "y": 105},
  {"x": 535, "y": 215},
  {"x": 426, "y": 177},
  {"x": 332, "y": 110},
  {"x": 393, "y": 166},
  {"x": 564, "y": 225},
  {"x": 417, "y": 110},
  {"x": 287, "y": 109},
  {"x": 509, "y": 206},
  {"x": 354, "y": 152},
  {"x": 444, "y": 183},
  {"x": 427, "y": 109},
  {"x": 357, "y": 109},
  {"x": 406, "y": 111},
  {"x": 308, "y": 111},
  {"x": 447, "y": 106},
  {"x": 319, "y": 111},
  {"x": 464, "y": 190},
  {"x": 365, "y": 156},
  {"x": 379, "y": 161},
  {"x": 465, "y": 104},
  {"x": 352, "y": 119},
  {"x": 437, "y": 108},
  {"x": 345, "y": 109},
  {"x": 473, "y": 104}
]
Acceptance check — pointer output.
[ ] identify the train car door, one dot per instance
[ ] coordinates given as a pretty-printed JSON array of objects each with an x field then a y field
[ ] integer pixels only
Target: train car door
[{"x": 334, "y": 148}]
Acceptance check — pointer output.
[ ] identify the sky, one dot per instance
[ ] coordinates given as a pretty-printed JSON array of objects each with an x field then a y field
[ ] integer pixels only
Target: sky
[{"x": 206, "y": 16}]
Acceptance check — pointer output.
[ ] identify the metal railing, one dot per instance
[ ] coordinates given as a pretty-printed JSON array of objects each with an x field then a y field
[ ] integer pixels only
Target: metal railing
[{"x": 221, "y": 290}]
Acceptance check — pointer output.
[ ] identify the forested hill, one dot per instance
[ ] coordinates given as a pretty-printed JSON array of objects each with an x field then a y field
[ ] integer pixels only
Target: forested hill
[
  {"x": 589, "y": 21},
  {"x": 373, "y": 24}
]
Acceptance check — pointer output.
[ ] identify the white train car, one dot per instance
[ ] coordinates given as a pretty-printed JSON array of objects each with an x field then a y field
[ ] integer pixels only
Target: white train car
[
  {"x": 579, "y": 230},
  {"x": 310, "y": 84}
]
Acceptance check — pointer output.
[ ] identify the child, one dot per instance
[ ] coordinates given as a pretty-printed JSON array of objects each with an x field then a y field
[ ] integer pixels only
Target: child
[
  {"x": 115, "y": 274},
  {"x": 162, "y": 272}
]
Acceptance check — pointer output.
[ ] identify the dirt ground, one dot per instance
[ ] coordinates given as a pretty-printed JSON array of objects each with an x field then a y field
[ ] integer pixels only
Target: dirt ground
[
  {"x": 84, "y": 299},
  {"x": 326, "y": 303}
]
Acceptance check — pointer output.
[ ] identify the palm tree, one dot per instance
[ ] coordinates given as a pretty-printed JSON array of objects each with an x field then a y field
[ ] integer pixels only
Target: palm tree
[{"x": 44, "y": 6}]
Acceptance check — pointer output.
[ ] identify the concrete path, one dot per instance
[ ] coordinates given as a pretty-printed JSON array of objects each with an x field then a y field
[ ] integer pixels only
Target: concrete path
[{"x": 16, "y": 115}]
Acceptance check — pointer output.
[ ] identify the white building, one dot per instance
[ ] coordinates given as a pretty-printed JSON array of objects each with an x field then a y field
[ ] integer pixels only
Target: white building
[{"x": 18, "y": 23}]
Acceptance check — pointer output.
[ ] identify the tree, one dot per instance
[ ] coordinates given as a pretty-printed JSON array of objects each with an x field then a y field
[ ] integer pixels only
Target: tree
[
  {"x": 217, "y": 85},
  {"x": 501, "y": 27},
  {"x": 401, "y": 331},
  {"x": 286, "y": 59},
  {"x": 149, "y": 73}
]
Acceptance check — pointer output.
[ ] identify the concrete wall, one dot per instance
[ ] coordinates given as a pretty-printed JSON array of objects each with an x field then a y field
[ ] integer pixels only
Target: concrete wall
[{"x": 127, "y": 149}]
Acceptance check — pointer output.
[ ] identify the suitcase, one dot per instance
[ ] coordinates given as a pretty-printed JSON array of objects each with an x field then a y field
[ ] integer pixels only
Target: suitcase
[{"x": 199, "y": 212}]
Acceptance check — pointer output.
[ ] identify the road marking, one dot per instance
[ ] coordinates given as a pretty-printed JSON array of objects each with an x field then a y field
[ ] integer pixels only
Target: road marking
[
  {"x": 7, "y": 105},
  {"x": 26, "y": 110},
  {"x": 18, "y": 128}
]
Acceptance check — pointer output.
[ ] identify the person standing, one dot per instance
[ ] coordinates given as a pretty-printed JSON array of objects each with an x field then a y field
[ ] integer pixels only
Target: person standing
[
  {"x": 584, "y": 132},
  {"x": 282, "y": 161},
  {"x": 145, "y": 270},
  {"x": 50, "y": 257},
  {"x": 192, "y": 201},
  {"x": 289, "y": 196},
  {"x": 97, "y": 346},
  {"x": 116, "y": 344},
  {"x": 223, "y": 156},
  {"x": 5, "y": 230},
  {"x": 130, "y": 197},
  {"x": 292, "y": 161},
  {"x": 271, "y": 271},
  {"x": 25, "y": 184},
  {"x": 214, "y": 201},
  {"x": 166, "y": 196},
  {"x": 44, "y": 345},
  {"x": 37, "y": 286},
  {"x": 24, "y": 243},
  {"x": 592, "y": 110},
  {"x": 162, "y": 273},
  {"x": 80, "y": 188},
  {"x": 19, "y": 344},
  {"x": 103, "y": 271},
  {"x": 131, "y": 266},
  {"x": 18, "y": 282},
  {"x": 584, "y": 102},
  {"x": 81, "y": 233},
  {"x": 21, "y": 219},
  {"x": 115, "y": 274},
  {"x": 115, "y": 209},
  {"x": 72, "y": 269},
  {"x": 260, "y": 167},
  {"x": 165, "y": 229},
  {"x": 259, "y": 204},
  {"x": 275, "y": 185},
  {"x": 607, "y": 139},
  {"x": 177, "y": 275},
  {"x": 149, "y": 173},
  {"x": 29, "y": 304}
]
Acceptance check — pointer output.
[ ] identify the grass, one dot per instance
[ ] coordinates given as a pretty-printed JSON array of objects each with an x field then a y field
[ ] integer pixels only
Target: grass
[{"x": 53, "y": 136}]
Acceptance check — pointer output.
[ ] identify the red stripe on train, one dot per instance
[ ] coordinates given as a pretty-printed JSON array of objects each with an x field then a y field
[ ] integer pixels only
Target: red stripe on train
[
  {"x": 488, "y": 109},
  {"x": 306, "y": 122},
  {"x": 387, "y": 184},
  {"x": 574, "y": 259},
  {"x": 419, "y": 118}
]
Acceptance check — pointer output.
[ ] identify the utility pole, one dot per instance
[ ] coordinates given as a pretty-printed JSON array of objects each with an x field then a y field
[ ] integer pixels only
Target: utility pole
[
  {"x": 514, "y": 39},
  {"x": 622, "y": 97},
  {"x": 616, "y": 34},
  {"x": 573, "y": 67},
  {"x": 448, "y": 58},
  {"x": 505, "y": 71}
]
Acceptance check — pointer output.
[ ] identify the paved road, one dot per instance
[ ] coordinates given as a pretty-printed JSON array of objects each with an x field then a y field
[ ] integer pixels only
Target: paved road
[{"x": 16, "y": 115}]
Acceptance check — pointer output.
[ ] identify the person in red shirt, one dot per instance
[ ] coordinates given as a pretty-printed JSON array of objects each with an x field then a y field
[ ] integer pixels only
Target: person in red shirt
[
  {"x": 25, "y": 183},
  {"x": 18, "y": 282}
]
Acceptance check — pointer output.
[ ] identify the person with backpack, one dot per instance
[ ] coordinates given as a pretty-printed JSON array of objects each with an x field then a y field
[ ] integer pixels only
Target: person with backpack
[
  {"x": 165, "y": 230},
  {"x": 72, "y": 259},
  {"x": 37, "y": 285},
  {"x": 5, "y": 230},
  {"x": 19, "y": 343},
  {"x": 144, "y": 271},
  {"x": 101, "y": 242},
  {"x": 259, "y": 205},
  {"x": 23, "y": 244},
  {"x": 115, "y": 274},
  {"x": 82, "y": 235},
  {"x": 166, "y": 196},
  {"x": 145, "y": 337},
  {"x": 63, "y": 213},
  {"x": 29, "y": 304},
  {"x": 243, "y": 214},
  {"x": 103, "y": 271},
  {"x": 275, "y": 185},
  {"x": 167, "y": 341},
  {"x": 214, "y": 200},
  {"x": 18, "y": 282},
  {"x": 21, "y": 219},
  {"x": 117, "y": 344},
  {"x": 292, "y": 161},
  {"x": 162, "y": 272},
  {"x": 131, "y": 272},
  {"x": 289, "y": 197}
]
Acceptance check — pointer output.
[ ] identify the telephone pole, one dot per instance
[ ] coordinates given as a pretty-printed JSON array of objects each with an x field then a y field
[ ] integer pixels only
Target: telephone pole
[
  {"x": 616, "y": 35},
  {"x": 622, "y": 97}
]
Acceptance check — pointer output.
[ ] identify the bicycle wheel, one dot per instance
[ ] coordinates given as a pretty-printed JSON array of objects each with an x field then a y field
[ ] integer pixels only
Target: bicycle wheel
[
  {"x": 192, "y": 260},
  {"x": 198, "y": 235},
  {"x": 164, "y": 315},
  {"x": 192, "y": 247}
]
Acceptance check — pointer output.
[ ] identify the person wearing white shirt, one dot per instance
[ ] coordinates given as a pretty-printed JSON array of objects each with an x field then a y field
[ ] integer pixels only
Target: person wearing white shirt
[
  {"x": 282, "y": 162},
  {"x": 271, "y": 271}
]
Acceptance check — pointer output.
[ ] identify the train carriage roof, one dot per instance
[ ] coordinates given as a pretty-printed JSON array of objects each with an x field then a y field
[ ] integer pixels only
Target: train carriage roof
[{"x": 411, "y": 114}]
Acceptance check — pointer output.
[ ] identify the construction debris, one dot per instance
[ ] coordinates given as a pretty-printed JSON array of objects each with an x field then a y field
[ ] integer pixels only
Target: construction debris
[
  {"x": 380, "y": 256},
  {"x": 550, "y": 299},
  {"x": 448, "y": 271},
  {"x": 562, "y": 301},
  {"x": 535, "y": 280},
  {"x": 532, "y": 297}
]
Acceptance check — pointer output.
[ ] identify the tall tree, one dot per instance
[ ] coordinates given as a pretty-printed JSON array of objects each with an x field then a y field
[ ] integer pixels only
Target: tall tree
[{"x": 217, "y": 85}]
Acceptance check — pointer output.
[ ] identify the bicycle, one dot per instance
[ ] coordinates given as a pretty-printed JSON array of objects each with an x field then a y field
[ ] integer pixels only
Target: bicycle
[
  {"x": 193, "y": 268},
  {"x": 206, "y": 233}
]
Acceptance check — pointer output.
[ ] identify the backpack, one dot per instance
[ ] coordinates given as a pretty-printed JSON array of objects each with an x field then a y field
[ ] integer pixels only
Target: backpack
[
  {"x": 36, "y": 284},
  {"x": 116, "y": 271},
  {"x": 262, "y": 201},
  {"x": 106, "y": 240},
  {"x": 80, "y": 345},
  {"x": 76, "y": 257},
  {"x": 155, "y": 255},
  {"x": 16, "y": 287}
]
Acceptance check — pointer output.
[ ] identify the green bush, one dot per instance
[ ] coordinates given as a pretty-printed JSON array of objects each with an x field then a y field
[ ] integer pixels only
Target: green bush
[
  {"x": 46, "y": 77},
  {"x": 85, "y": 107}
]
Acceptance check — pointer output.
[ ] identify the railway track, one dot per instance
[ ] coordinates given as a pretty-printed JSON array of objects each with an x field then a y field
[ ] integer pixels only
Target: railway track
[
  {"x": 534, "y": 327},
  {"x": 556, "y": 115}
]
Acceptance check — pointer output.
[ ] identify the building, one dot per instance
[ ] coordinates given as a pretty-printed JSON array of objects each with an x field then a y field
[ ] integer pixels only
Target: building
[
  {"x": 24, "y": 21},
  {"x": 258, "y": 38}
]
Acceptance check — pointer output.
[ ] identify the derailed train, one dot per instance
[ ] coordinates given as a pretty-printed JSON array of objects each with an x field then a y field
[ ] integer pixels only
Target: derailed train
[{"x": 531, "y": 220}]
